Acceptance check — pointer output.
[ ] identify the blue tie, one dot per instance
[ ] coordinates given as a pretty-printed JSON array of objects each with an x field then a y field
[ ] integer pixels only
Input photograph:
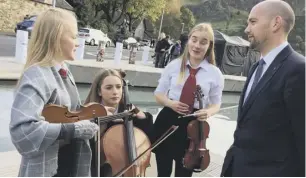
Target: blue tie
[{"x": 258, "y": 73}]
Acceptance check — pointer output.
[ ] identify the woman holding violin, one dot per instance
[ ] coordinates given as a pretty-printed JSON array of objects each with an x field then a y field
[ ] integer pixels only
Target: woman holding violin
[
  {"x": 107, "y": 89},
  {"x": 176, "y": 92},
  {"x": 50, "y": 149}
]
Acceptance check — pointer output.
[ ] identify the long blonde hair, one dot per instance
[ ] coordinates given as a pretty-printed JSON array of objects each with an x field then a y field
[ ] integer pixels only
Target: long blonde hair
[
  {"x": 45, "y": 42},
  {"x": 210, "y": 54}
]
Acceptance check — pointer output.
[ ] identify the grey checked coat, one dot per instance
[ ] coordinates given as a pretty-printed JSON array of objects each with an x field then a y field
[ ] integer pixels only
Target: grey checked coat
[{"x": 34, "y": 138}]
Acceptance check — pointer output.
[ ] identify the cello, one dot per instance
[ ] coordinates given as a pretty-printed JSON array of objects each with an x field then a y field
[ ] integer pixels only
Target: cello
[
  {"x": 197, "y": 156},
  {"x": 97, "y": 113},
  {"x": 129, "y": 142}
]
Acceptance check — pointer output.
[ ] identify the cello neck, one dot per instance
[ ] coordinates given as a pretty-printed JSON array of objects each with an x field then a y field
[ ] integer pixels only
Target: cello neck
[
  {"x": 129, "y": 130},
  {"x": 199, "y": 96}
]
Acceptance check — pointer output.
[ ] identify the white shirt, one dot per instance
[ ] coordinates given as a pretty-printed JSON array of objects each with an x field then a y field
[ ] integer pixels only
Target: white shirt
[
  {"x": 58, "y": 66},
  {"x": 269, "y": 58},
  {"x": 209, "y": 77}
]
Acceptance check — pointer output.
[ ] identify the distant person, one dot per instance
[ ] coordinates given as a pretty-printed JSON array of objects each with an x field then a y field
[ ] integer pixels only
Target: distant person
[
  {"x": 160, "y": 49},
  {"x": 176, "y": 50},
  {"x": 152, "y": 43},
  {"x": 184, "y": 40},
  {"x": 269, "y": 140}
]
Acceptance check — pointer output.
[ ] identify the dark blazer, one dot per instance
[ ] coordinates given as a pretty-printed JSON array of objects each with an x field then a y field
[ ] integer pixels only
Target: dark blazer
[{"x": 270, "y": 136}]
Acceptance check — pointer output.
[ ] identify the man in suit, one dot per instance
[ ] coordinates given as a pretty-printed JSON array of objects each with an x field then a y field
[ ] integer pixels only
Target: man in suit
[{"x": 270, "y": 136}]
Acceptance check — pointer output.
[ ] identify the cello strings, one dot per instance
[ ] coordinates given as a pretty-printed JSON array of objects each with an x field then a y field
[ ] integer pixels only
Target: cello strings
[
  {"x": 156, "y": 143},
  {"x": 113, "y": 117}
]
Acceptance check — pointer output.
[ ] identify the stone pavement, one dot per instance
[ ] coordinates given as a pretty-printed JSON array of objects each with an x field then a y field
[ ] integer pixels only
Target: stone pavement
[
  {"x": 9, "y": 69},
  {"x": 9, "y": 166}
]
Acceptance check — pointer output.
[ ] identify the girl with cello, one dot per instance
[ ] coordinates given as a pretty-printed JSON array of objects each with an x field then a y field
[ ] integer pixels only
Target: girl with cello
[
  {"x": 50, "y": 149},
  {"x": 175, "y": 92},
  {"x": 107, "y": 89}
]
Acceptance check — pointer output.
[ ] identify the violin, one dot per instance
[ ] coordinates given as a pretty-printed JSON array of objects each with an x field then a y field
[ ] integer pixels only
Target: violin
[
  {"x": 197, "y": 156},
  {"x": 123, "y": 143},
  {"x": 91, "y": 111}
]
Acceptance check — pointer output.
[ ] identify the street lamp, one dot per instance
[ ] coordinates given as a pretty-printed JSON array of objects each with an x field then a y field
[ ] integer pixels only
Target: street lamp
[
  {"x": 182, "y": 27},
  {"x": 161, "y": 23}
]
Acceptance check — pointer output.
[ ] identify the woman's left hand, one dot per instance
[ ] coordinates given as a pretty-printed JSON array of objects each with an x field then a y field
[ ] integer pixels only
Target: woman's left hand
[
  {"x": 140, "y": 114},
  {"x": 202, "y": 115}
]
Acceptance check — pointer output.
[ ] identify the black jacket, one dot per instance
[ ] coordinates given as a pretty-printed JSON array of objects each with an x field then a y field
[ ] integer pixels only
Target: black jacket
[{"x": 270, "y": 136}]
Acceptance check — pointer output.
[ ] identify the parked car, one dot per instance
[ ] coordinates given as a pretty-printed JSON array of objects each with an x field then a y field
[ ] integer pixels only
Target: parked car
[
  {"x": 145, "y": 43},
  {"x": 130, "y": 40},
  {"x": 26, "y": 25},
  {"x": 93, "y": 36}
]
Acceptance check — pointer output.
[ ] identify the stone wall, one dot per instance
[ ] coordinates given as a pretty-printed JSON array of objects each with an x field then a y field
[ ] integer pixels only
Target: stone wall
[{"x": 13, "y": 11}]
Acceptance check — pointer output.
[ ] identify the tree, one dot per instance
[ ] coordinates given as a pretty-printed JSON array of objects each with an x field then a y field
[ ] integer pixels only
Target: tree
[
  {"x": 109, "y": 10},
  {"x": 139, "y": 9},
  {"x": 171, "y": 25},
  {"x": 187, "y": 18},
  {"x": 76, "y": 3},
  {"x": 113, "y": 10},
  {"x": 172, "y": 22}
]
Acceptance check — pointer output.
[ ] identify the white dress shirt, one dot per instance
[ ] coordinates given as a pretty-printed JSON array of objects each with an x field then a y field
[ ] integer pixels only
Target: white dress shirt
[
  {"x": 59, "y": 66},
  {"x": 209, "y": 77},
  {"x": 269, "y": 58}
]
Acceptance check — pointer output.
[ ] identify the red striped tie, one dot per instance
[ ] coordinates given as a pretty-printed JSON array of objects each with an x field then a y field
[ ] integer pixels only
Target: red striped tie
[{"x": 189, "y": 89}]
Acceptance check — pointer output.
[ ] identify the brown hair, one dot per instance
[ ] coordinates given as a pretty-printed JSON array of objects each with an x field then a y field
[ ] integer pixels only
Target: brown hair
[
  {"x": 93, "y": 95},
  {"x": 210, "y": 54}
]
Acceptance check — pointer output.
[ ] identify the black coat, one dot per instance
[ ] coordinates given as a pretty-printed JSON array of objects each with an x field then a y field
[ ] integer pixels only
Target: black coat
[{"x": 270, "y": 136}]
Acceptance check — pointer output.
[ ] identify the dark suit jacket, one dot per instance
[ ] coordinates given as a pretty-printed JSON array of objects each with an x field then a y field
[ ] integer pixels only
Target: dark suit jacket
[{"x": 270, "y": 136}]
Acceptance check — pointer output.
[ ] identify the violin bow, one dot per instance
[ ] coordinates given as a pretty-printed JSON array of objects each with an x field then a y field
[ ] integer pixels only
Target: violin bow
[{"x": 157, "y": 142}]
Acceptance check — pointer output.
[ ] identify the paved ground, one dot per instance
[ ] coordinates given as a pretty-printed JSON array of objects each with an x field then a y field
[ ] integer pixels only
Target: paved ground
[{"x": 10, "y": 167}]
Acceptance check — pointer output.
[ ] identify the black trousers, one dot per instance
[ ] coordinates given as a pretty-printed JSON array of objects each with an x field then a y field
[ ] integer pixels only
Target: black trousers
[
  {"x": 66, "y": 161},
  {"x": 164, "y": 167},
  {"x": 174, "y": 147},
  {"x": 229, "y": 171}
]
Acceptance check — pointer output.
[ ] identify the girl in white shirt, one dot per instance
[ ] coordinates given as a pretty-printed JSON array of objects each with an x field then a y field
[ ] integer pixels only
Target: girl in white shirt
[{"x": 198, "y": 54}]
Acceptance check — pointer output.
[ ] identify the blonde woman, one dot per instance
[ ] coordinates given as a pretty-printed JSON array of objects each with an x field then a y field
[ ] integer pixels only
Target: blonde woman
[
  {"x": 46, "y": 79},
  {"x": 175, "y": 92}
]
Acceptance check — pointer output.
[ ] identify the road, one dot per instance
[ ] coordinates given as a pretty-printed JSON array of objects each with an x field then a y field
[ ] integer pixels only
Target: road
[{"x": 8, "y": 46}]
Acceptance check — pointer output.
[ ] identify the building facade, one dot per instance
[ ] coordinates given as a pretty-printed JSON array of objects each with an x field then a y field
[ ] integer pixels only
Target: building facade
[{"x": 14, "y": 11}]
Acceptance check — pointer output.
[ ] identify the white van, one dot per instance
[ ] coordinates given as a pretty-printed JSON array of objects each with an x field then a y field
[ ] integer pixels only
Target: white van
[{"x": 93, "y": 36}]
